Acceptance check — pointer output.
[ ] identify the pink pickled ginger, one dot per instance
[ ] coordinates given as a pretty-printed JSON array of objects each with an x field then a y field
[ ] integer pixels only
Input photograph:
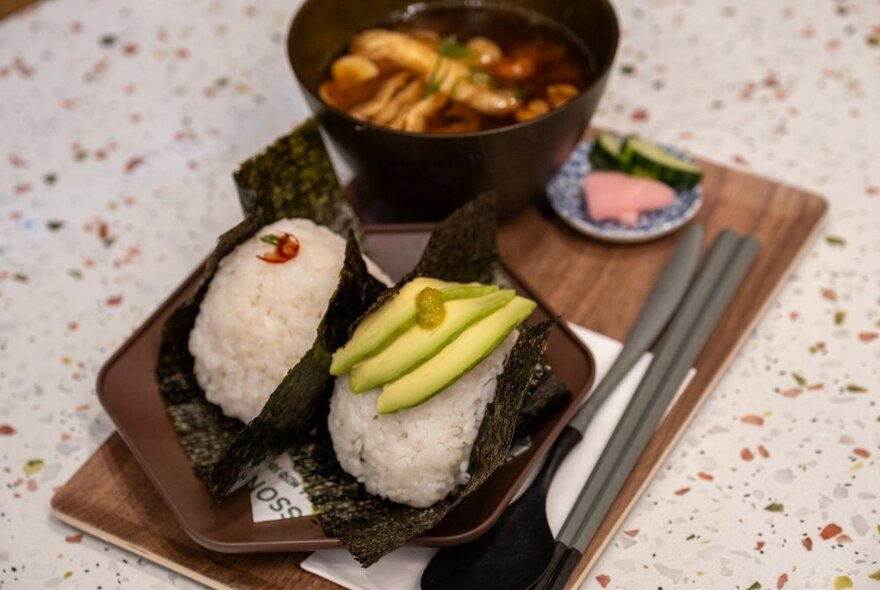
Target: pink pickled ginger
[{"x": 621, "y": 197}]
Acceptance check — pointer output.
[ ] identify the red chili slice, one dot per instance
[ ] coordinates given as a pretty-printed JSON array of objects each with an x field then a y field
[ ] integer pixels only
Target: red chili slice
[
  {"x": 287, "y": 246},
  {"x": 286, "y": 249},
  {"x": 273, "y": 257}
]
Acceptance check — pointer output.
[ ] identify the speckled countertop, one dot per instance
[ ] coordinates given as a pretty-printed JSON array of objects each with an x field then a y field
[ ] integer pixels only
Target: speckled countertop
[{"x": 120, "y": 124}]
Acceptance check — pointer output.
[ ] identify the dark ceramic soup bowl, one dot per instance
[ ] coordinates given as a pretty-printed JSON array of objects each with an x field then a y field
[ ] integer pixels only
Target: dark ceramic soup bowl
[{"x": 409, "y": 176}]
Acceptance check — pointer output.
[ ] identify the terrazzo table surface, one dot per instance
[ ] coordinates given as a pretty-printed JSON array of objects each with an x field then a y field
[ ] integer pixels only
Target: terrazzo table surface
[{"x": 120, "y": 125}]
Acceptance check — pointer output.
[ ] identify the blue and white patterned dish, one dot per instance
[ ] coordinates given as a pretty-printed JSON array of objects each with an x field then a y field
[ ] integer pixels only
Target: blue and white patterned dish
[{"x": 566, "y": 194}]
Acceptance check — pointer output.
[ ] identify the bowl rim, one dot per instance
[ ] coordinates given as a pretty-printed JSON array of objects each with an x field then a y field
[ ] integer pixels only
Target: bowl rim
[{"x": 296, "y": 23}]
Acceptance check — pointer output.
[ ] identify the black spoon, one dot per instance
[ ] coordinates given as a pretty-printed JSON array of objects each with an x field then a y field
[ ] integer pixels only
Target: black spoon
[
  {"x": 517, "y": 549},
  {"x": 512, "y": 537}
]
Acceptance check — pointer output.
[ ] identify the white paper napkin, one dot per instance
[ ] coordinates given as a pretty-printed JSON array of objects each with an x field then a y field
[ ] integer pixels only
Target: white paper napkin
[{"x": 402, "y": 569}]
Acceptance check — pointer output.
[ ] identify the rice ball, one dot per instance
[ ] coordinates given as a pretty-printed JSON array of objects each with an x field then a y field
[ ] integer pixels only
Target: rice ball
[
  {"x": 258, "y": 319},
  {"x": 416, "y": 456}
]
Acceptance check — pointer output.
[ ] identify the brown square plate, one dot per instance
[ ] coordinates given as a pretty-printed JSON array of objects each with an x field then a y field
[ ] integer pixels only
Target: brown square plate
[{"x": 128, "y": 391}]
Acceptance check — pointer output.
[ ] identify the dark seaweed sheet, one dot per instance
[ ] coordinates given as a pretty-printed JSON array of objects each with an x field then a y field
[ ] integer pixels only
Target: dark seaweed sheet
[
  {"x": 546, "y": 394},
  {"x": 461, "y": 248},
  {"x": 464, "y": 246},
  {"x": 204, "y": 432},
  {"x": 292, "y": 178}
]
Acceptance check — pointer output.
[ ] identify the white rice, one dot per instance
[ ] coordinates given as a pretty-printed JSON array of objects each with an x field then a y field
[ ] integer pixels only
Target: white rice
[
  {"x": 258, "y": 319},
  {"x": 416, "y": 456}
]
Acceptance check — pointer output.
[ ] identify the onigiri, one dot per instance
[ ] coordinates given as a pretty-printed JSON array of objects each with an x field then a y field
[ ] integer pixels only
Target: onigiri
[
  {"x": 418, "y": 455},
  {"x": 259, "y": 317}
]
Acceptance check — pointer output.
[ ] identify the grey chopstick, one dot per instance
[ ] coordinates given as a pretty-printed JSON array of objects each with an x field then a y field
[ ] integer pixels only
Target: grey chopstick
[
  {"x": 677, "y": 332},
  {"x": 681, "y": 363},
  {"x": 724, "y": 270},
  {"x": 661, "y": 304}
]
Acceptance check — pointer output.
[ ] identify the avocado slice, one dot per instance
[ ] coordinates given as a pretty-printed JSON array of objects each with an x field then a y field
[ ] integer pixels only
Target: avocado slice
[
  {"x": 459, "y": 357},
  {"x": 381, "y": 327},
  {"x": 418, "y": 344}
]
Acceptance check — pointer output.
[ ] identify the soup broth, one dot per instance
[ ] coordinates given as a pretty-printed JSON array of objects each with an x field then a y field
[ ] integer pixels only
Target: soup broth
[{"x": 457, "y": 69}]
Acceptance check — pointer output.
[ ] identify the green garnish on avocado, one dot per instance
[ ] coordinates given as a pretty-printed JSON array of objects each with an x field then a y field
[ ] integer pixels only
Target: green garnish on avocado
[
  {"x": 431, "y": 310},
  {"x": 417, "y": 344},
  {"x": 381, "y": 327}
]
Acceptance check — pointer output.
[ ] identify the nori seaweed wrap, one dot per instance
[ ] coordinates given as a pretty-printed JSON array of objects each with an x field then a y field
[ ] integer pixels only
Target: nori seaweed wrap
[{"x": 294, "y": 178}]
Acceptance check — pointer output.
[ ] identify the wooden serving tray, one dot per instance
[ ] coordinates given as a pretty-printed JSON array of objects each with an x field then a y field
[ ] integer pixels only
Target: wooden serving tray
[{"x": 596, "y": 285}]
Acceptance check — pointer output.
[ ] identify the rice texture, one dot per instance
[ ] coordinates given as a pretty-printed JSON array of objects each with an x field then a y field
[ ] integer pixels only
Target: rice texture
[
  {"x": 258, "y": 319},
  {"x": 418, "y": 455}
]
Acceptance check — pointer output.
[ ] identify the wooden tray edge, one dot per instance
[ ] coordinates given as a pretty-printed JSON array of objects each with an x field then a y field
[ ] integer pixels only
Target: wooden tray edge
[{"x": 121, "y": 543}]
